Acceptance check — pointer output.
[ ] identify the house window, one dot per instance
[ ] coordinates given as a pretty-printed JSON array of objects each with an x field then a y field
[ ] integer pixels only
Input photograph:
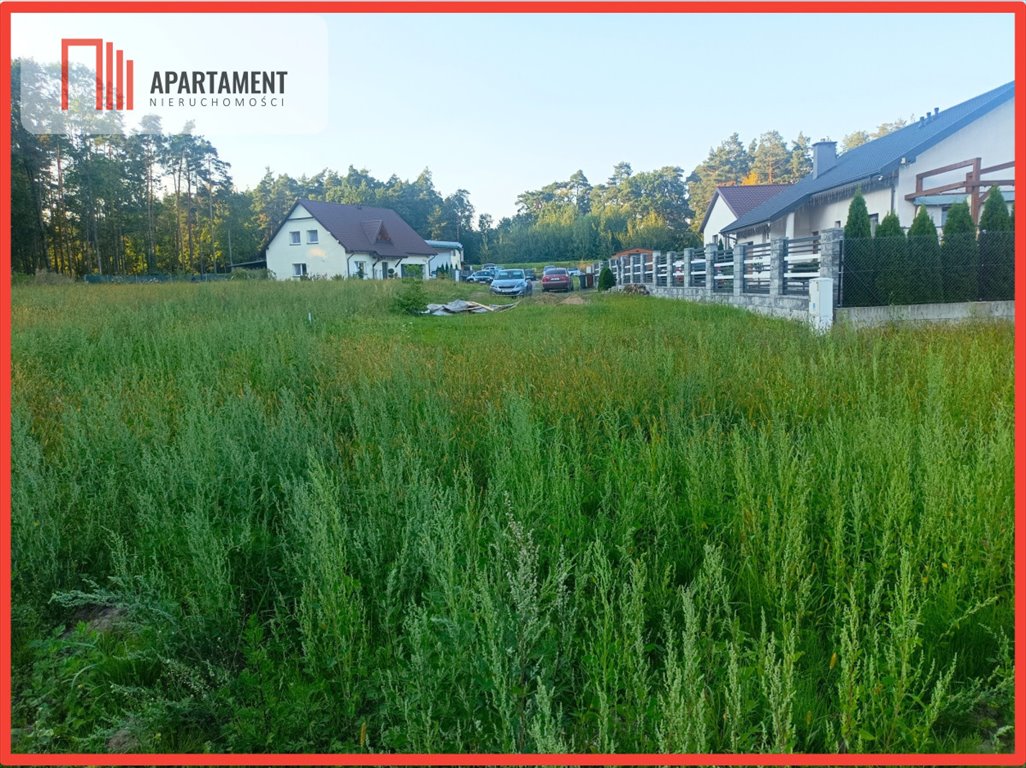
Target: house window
[
  {"x": 874, "y": 222},
  {"x": 311, "y": 237},
  {"x": 294, "y": 237},
  {"x": 299, "y": 270}
]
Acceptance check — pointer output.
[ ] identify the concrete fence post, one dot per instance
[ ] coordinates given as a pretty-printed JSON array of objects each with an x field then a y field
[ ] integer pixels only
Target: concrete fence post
[
  {"x": 830, "y": 241},
  {"x": 777, "y": 266},
  {"x": 687, "y": 255},
  {"x": 739, "y": 269},
  {"x": 710, "y": 258}
]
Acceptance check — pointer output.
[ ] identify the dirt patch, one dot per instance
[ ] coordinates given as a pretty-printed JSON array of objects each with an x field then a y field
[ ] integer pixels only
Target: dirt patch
[
  {"x": 99, "y": 618},
  {"x": 575, "y": 300},
  {"x": 123, "y": 740}
]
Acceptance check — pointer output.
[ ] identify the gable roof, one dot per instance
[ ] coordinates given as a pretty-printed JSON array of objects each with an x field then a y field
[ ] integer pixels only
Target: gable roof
[
  {"x": 366, "y": 229},
  {"x": 879, "y": 156},
  {"x": 741, "y": 199}
]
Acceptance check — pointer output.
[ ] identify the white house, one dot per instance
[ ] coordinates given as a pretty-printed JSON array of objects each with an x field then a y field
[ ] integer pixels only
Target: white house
[
  {"x": 944, "y": 158},
  {"x": 331, "y": 240},
  {"x": 450, "y": 254},
  {"x": 730, "y": 202}
]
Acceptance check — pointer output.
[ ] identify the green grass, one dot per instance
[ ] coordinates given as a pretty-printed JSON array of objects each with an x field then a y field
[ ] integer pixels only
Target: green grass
[{"x": 632, "y": 525}]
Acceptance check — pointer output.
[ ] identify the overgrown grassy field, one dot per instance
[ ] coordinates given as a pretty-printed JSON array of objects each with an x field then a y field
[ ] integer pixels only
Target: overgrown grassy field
[{"x": 628, "y": 525}]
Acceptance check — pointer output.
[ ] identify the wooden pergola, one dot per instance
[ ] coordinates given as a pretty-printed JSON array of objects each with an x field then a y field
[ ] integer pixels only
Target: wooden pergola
[{"x": 973, "y": 185}]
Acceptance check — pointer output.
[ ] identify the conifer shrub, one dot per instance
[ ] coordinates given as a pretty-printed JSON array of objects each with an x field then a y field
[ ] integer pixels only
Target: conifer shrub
[
  {"x": 960, "y": 256},
  {"x": 894, "y": 278},
  {"x": 997, "y": 270},
  {"x": 924, "y": 255},
  {"x": 606, "y": 279},
  {"x": 860, "y": 267}
]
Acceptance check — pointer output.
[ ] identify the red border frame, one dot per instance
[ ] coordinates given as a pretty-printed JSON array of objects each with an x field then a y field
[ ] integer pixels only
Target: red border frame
[{"x": 1016, "y": 758}]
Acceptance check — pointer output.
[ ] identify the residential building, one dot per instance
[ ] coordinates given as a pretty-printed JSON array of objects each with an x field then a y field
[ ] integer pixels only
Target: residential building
[
  {"x": 319, "y": 239},
  {"x": 945, "y": 157}
]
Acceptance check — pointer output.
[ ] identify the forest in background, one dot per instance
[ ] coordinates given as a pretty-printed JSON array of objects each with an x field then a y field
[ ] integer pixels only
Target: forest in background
[{"x": 155, "y": 201}]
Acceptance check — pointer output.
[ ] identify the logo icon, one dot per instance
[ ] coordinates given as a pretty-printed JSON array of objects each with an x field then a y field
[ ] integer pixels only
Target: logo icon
[{"x": 113, "y": 90}]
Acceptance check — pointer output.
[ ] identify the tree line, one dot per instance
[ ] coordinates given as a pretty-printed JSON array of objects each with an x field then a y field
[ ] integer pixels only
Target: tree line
[{"x": 156, "y": 201}]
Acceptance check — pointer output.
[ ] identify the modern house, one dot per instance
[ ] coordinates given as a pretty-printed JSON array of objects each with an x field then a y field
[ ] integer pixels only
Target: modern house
[
  {"x": 331, "y": 240},
  {"x": 729, "y": 203},
  {"x": 946, "y": 157},
  {"x": 450, "y": 255}
]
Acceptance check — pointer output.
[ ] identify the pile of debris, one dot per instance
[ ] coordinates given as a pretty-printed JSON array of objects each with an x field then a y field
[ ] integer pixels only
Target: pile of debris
[
  {"x": 460, "y": 306},
  {"x": 636, "y": 288}
]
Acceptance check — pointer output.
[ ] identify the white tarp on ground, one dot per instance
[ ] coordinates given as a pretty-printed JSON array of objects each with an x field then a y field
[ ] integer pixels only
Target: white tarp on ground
[{"x": 459, "y": 306}]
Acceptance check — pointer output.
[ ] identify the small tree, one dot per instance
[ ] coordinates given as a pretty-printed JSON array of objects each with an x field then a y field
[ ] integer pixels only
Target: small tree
[
  {"x": 860, "y": 268},
  {"x": 410, "y": 299},
  {"x": 606, "y": 279},
  {"x": 924, "y": 255},
  {"x": 894, "y": 279},
  {"x": 997, "y": 249},
  {"x": 960, "y": 255}
]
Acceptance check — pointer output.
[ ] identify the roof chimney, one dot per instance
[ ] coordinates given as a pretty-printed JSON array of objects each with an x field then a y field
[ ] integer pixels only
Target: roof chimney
[
  {"x": 936, "y": 111},
  {"x": 824, "y": 156}
]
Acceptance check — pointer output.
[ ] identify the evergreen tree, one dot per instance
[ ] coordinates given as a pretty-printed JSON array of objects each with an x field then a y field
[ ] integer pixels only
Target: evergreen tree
[
  {"x": 924, "y": 255},
  {"x": 960, "y": 256},
  {"x": 997, "y": 249},
  {"x": 894, "y": 278},
  {"x": 860, "y": 268},
  {"x": 606, "y": 279}
]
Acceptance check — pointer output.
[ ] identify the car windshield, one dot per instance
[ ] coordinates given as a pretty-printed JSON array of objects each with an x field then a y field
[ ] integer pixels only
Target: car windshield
[
  {"x": 555, "y": 271},
  {"x": 510, "y": 274}
]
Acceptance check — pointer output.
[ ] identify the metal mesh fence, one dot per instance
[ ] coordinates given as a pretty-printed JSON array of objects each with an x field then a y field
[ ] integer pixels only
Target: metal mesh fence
[{"x": 920, "y": 270}]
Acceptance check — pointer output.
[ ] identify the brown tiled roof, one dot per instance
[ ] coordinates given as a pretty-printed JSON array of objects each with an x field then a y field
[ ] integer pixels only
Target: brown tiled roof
[
  {"x": 632, "y": 251},
  {"x": 742, "y": 198},
  {"x": 365, "y": 229}
]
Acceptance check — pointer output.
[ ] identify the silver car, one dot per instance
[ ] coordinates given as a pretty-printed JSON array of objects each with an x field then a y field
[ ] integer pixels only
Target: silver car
[{"x": 511, "y": 282}]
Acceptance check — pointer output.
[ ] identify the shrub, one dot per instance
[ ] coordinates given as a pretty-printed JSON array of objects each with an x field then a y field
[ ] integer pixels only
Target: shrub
[
  {"x": 410, "y": 298},
  {"x": 924, "y": 254},
  {"x": 860, "y": 267},
  {"x": 606, "y": 279},
  {"x": 997, "y": 270},
  {"x": 45, "y": 277},
  {"x": 960, "y": 255},
  {"x": 893, "y": 281}
]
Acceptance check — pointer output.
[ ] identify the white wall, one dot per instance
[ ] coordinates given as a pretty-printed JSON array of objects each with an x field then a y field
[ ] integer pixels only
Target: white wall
[
  {"x": 991, "y": 138},
  {"x": 325, "y": 259},
  {"x": 719, "y": 217}
]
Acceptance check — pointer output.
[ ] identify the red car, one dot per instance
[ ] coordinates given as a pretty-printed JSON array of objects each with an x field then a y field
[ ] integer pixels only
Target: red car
[{"x": 557, "y": 279}]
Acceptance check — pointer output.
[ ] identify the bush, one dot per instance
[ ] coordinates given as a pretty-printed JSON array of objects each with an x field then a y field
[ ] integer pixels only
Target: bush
[
  {"x": 960, "y": 255},
  {"x": 251, "y": 274},
  {"x": 997, "y": 251},
  {"x": 860, "y": 267},
  {"x": 45, "y": 277},
  {"x": 924, "y": 254},
  {"x": 894, "y": 277},
  {"x": 606, "y": 279},
  {"x": 410, "y": 298}
]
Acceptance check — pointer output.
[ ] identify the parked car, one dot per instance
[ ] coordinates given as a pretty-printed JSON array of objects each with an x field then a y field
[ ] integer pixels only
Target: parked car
[
  {"x": 557, "y": 279},
  {"x": 575, "y": 272},
  {"x": 530, "y": 274},
  {"x": 482, "y": 276},
  {"x": 511, "y": 282}
]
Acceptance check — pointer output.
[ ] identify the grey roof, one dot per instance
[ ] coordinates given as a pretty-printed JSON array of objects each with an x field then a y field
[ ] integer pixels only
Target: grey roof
[
  {"x": 879, "y": 156},
  {"x": 365, "y": 229},
  {"x": 446, "y": 244}
]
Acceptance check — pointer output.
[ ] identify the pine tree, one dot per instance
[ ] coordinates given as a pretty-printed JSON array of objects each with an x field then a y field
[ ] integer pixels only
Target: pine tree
[
  {"x": 860, "y": 267},
  {"x": 924, "y": 255},
  {"x": 893, "y": 286},
  {"x": 960, "y": 255},
  {"x": 997, "y": 251}
]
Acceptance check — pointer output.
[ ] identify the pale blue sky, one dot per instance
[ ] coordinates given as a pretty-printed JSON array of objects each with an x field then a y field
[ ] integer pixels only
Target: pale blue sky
[{"x": 498, "y": 104}]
